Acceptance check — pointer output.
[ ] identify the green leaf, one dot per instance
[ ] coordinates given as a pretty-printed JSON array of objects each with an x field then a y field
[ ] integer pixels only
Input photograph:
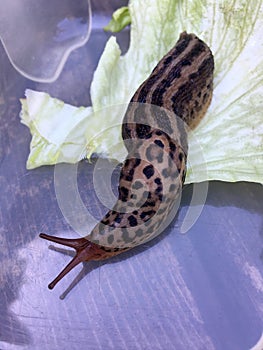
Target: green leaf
[
  {"x": 228, "y": 143},
  {"x": 120, "y": 19},
  {"x": 56, "y": 128}
]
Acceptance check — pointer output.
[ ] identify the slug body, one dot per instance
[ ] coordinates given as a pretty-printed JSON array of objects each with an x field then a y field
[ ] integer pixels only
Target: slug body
[{"x": 174, "y": 98}]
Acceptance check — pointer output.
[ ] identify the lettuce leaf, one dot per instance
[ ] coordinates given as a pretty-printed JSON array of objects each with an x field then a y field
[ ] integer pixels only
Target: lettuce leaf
[
  {"x": 120, "y": 19},
  {"x": 51, "y": 143},
  {"x": 228, "y": 143}
]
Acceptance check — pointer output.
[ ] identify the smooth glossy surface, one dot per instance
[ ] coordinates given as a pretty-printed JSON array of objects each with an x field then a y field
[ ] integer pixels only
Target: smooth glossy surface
[
  {"x": 38, "y": 37},
  {"x": 200, "y": 290}
]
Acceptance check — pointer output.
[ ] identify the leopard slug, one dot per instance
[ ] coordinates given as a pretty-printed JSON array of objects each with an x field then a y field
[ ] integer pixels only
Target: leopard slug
[{"x": 174, "y": 98}]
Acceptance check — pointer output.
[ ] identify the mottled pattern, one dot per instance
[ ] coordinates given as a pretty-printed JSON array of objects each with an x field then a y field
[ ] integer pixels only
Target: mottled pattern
[
  {"x": 174, "y": 98},
  {"x": 144, "y": 192}
]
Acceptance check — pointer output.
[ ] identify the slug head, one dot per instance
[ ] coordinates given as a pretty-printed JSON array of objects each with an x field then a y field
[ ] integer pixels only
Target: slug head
[{"x": 85, "y": 251}]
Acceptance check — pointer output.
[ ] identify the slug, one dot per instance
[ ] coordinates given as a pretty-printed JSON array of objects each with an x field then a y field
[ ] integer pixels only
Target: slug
[{"x": 174, "y": 98}]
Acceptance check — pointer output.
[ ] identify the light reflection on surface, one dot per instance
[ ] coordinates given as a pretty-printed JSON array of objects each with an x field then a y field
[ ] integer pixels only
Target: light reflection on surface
[{"x": 38, "y": 37}]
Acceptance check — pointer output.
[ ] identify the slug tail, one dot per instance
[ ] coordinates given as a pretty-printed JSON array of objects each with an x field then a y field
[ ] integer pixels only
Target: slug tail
[{"x": 85, "y": 251}]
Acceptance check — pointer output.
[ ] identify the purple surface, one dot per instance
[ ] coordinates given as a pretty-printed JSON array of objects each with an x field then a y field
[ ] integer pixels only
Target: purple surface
[{"x": 200, "y": 290}]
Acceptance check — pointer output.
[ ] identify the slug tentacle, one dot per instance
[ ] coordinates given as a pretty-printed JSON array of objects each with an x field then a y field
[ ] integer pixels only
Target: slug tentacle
[
  {"x": 85, "y": 251},
  {"x": 173, "y": 99}
]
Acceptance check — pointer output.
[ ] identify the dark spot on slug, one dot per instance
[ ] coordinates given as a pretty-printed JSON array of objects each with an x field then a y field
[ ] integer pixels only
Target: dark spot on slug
[
  {"x": 158, "y": 181},
  {"x": 125, "y": 236},
  {"x": 196, "y": 104},
  {"x": 159, "y": 143},
  {"x": 168, "y": 60},
  {"x": 159, "y": 189},
  {"x": 161, "y": 211},
  {"x": 186, "y": 62},
  {"x": 154, "y": 152},
  {"x": 131, "y": 172},
  {"x": 160, "y": 157},
  {"x": 193, "y": 76},
  {"x": 139, "y": 232},
  {"x": 132, "y": 221},
  {"x": 172, "y": 146},
  {"x": 171, "y": 157},
  {"x": 172, "y": 188},
  {"x": 150, "y": 229},
  {"x": 143, "y": 131},
  {"x": 128, "y": 178},
  {"x": 146, "y": 195},
  {"x": 165, "y": 173},
  {"x": 137, "y": 185},
  {"x": 110, "y": 239},
  {"x": 122, "y": 209},
  {"x": 137, "y": 162},
  {"x": 181, "y": 156},
  {"x": 118, "y": 218},
  {"x": 123, "y": 193},
  {"x": 148, "y": 204},
  {"x": 148, "y": 171}
]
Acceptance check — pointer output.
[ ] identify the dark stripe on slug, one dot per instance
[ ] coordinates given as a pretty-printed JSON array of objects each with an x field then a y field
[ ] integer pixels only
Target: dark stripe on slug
[
  {"x": 161, "y": 119},
  {"x": 139, "y": 113},
  {"x": 179, "y": 48},
  {"x": 144, "y": 92},
  {"x": 184, "y": 94},
  {"x": 175, "y": 73},
  {"x": 159, "y": 70}
]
